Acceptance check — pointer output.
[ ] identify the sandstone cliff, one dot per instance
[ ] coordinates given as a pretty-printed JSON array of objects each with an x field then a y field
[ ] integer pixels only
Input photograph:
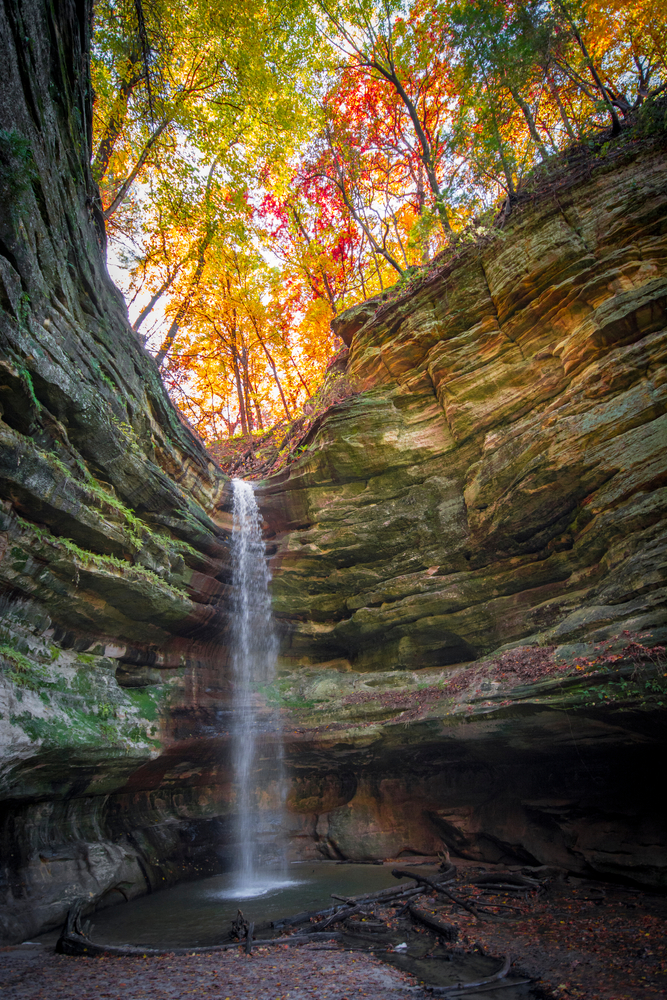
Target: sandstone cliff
[
  {"x": 489, "y": 508},
  {"x": 495, "y": 495},
  {"x": 113, "y": 555}
]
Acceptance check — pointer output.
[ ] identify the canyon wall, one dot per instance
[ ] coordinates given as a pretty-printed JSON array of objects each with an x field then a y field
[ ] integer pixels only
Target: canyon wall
[
  {"x": 454, "y": 552},
  {"x": 113, "y": 540},
  {"x": 470, "y": 554}
]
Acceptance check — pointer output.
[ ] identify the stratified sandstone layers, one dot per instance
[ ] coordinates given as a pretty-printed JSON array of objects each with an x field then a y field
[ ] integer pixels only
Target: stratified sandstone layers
[
  {"x": 113, "y": 553},
  {"x": 503, "y": 475},
  {"x": 500, "y": 484}
]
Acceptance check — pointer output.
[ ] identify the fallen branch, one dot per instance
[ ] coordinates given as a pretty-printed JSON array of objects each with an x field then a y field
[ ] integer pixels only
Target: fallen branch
[
  {"x": 303, "y": 917},
  {"x": 499, "y": 887},
  {"x": 486, "y": 989},
  {"x": 448, "y": 931},
  {"x": 74, "y": 941},
  {"x": 447, "y": 991},
  {"x": 509, "y": 879},
  {"x": 83, "y": 946},
  {"x": 301, "y": 938},
  {"x": 382, "y": 894},
  {"x": 420, "y": 892},
  {"x": 398, "y": 873},
  {"x": 343, "y": 913}
]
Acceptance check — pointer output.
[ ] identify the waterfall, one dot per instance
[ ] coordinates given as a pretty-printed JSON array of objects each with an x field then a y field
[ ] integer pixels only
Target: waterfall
[{"x": 254, "y": 649}]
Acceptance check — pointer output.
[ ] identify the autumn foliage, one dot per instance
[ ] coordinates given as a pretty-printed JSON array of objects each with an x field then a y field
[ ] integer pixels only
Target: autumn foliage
[{"x": 263, "y": 166}]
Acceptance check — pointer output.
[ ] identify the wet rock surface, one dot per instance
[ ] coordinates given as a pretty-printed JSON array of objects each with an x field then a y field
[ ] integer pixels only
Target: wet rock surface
[
  {"x": 113, "y": 547},
  {"x": 501, "y": 479},
  {"x": 471, "y": 551},
  {"x": 496, "y": 489}
]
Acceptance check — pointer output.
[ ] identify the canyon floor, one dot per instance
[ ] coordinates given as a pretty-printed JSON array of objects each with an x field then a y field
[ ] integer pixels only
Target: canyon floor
[
  {"x": 269, "y": 974},
  {"x": 574, "y": 939}
]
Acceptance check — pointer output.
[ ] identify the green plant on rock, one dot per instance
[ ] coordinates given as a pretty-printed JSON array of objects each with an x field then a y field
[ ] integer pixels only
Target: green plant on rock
[
  {"x": 136, "y": 528},
  {"x": 17, "y": 165},
  {"x": 652, "y": 118},
  {"x": 20, "y": 670},
  {"x": 26, "y": 377},
  {"x": 87, "y": 558}
]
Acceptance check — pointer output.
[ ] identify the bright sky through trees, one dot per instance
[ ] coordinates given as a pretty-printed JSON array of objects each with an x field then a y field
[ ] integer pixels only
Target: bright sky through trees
[{"x": 265, "y": 165}]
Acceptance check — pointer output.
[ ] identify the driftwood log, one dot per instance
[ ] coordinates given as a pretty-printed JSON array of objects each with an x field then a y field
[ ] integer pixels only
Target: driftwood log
[
  {"x": 448, "y": 991},
  {"x": 303, "y": 917},
  {"x": 76, "y": 945},
  {"x": 343, "y": 913},
  {"x": 449, "y": 932},
  {"x": 380, "y": 896},
  {"x": 475, "y": 990},
  {"x": 440, "y": 888},
  {"x": 74, "y": 940}
]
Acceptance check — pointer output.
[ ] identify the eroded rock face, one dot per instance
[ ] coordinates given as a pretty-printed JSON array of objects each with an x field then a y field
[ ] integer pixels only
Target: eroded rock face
[
  {"x": 113, "y": 543},
  {"x": 499, "y": 484},
  {"x": 502, "y": 477},
  {"x": 499, "y": 481}
]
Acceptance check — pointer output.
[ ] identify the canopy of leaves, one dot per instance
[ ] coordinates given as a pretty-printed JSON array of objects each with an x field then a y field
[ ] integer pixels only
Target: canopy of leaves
[{"x": 264, "y": 165}]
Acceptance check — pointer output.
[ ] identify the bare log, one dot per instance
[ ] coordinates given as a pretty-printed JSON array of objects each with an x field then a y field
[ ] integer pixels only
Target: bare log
[
  {"x": 447, "y": 991},
  {"x": 343, "y": 913},
  {"x": 303, "y": 917},
  {"x": 417, "y": 894},
  {"x": 250, "y": 930},
  {"x": 78, "y": 945},
  {"x": 449, "y": 932},
  {"x": 505, "y": 878},
  {"x": 474, "y": 991},
  {"x": 439, "y": 888},
  {"x": 381, "y": 894},
  {"x": 302, "y": 938}
]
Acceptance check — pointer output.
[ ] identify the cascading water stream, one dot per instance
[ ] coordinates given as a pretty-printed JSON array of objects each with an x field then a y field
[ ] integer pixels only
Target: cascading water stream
[{"x": 254, "y": 650}]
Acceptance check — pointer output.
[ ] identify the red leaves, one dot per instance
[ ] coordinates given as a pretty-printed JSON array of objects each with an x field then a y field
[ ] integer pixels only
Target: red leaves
[{"x": 527, "y": 663}]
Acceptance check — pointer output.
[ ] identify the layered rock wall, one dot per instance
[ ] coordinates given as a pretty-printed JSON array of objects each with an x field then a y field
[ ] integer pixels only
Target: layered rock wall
[
  {"x": 113, "y": 546},
  {"x": 489, "y": 506},
  {"x": 502, "y": 476},
  {"x": 467, "y": 546}
]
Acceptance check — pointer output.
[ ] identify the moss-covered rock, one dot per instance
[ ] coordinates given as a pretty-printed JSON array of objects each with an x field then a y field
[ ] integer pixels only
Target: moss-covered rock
[{"x": 497, "y": 488}]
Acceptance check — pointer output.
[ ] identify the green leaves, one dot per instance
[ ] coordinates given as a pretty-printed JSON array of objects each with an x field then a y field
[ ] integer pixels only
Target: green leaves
[{"x": 267, "y": 164}]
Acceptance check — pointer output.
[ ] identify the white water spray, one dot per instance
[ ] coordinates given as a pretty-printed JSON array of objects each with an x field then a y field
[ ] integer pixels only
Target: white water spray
[{"x": 254, "y": 650}]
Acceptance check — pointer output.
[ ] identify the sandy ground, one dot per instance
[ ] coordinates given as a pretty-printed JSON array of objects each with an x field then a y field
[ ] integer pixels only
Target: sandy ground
[
  {"x": 579, "y": 940},
  {"x": 279, "y": 973},
  {"x": 576, "y": 940}
]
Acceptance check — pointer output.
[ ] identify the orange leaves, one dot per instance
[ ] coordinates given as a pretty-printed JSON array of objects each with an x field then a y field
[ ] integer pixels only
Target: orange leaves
[{"x": 304, "y": 168}]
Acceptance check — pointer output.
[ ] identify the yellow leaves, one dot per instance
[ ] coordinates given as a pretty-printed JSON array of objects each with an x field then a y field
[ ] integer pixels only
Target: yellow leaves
[
  {"x": 315, "y": 326},
  {"x": 280, "y": 176}
]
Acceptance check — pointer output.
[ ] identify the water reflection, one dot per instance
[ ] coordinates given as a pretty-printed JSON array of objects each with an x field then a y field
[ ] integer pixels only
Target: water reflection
[{"x": 200, "y": 913}]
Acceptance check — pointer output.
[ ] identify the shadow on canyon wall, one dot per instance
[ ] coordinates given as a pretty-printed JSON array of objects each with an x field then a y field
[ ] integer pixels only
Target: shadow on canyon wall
[{"x": 455, "y": 552}]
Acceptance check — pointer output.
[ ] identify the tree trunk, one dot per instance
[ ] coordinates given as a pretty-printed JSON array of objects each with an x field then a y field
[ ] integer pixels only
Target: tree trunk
[
  {"x": 239, "y": 393},
  {"x": 530, "y": 121},
  {"x": 116, "y": 119},
  {"x": 269, "y": 358},
  {"x": 134, "y": 173},
  {"x": 153, "y": 300},
  {"x": 616, "y": 125},
  {"x": 565, "y": 118},
  {"x": 325, "y": 278},
  {"x": 184, "y": 307},
  {"x": 378, "y": 250},
  {"x": 427, "y": 152}
]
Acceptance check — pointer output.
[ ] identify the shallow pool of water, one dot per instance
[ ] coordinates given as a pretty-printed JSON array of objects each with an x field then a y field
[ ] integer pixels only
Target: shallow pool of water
[{"x": 200, "y": 913}]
